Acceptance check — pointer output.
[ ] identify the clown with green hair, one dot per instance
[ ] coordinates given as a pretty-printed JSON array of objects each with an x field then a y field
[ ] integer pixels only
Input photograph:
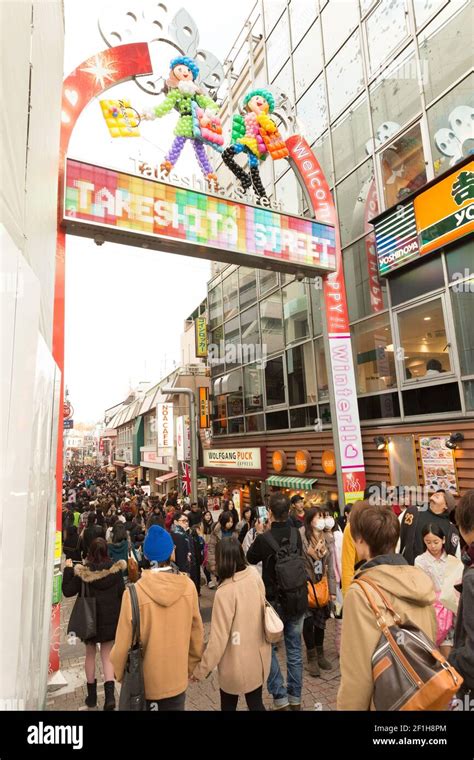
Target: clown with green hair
[{"x": 257, "y": 135}]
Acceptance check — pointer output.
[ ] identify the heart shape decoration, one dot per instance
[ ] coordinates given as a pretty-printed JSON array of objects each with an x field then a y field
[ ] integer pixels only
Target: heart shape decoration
[{"x": 72, "y": 96}]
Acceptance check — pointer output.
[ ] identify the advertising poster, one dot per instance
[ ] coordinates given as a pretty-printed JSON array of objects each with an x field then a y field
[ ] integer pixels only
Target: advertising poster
[{"x": 439, "y": 466}]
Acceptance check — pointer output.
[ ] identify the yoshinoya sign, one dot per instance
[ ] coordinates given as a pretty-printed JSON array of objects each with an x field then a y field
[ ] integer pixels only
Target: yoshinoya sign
[
  {"x": 108, "y": 204},
  {"x": 437, "y": 215},
  {"x": 233, "y": 459},
  {"x": 397, "y": 239}
]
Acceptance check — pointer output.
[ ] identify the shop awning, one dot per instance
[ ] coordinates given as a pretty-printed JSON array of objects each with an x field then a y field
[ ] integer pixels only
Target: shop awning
[
  {"x": 165, "y": 478},
  {"x": 130, "y": 469},
  {"x": 287, "y": 481}
]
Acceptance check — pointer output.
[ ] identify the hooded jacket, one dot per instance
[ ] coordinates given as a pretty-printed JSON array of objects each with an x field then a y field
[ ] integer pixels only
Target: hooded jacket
[
  {"x": 410, "y": 591},
  {"x": 105, "y": 583},
  {"x": 120, "y": 551},
  {"x": 171, "y": 632}
]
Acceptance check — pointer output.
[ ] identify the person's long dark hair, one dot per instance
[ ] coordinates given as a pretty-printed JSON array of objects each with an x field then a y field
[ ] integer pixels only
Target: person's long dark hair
[
  {"x": 224, "y": 518},
  {"x": 207, "y": 527},
  {"x": 230, "y": 558},
  {"x": 98, "y": 553}
]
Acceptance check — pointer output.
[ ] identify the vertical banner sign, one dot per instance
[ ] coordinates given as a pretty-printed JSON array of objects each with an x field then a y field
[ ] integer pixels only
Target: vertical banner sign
[
  {"x": 203, "y": 408},
  {"x": 201, "y": 337},
  {"x": 347, "y": 435},
  {"x": 371, "y": 210},
  {"x": 183, "y": 438},
  {"x": 164, "y": 415}
]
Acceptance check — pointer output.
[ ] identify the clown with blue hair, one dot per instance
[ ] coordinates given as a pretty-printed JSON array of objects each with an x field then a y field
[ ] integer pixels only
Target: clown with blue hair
[
  {"x": 198, "y": 120},
  {"x": 256, "y": 135}
]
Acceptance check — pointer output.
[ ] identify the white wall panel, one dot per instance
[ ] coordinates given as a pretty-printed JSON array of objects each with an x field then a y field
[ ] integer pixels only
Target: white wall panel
[
  {"x": 15, "y": 41},
  {"x": 22, "y": 370},
  {"x": 43, "y": 153}
]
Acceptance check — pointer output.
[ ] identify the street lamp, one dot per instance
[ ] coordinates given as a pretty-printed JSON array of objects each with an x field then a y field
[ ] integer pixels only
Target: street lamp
[{"x": 192, "y": 417}]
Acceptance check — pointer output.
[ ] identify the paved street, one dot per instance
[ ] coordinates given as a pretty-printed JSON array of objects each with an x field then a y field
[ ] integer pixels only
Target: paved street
[{"x": 318, "y": 693}]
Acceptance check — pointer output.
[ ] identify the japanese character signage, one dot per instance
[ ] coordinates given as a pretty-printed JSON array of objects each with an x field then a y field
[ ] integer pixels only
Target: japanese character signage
[
  {"x": 203, "y": 408},
  {"x": 201, "y": 337}
]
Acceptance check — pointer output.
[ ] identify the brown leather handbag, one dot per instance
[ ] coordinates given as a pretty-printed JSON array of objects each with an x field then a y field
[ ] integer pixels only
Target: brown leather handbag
[
  {"x": 318, "y": 593},
  {"x": 408, "y": 671}
]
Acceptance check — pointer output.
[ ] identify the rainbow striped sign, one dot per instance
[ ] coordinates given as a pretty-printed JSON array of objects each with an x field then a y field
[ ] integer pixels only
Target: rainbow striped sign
[{"x": 184, "y": 221}]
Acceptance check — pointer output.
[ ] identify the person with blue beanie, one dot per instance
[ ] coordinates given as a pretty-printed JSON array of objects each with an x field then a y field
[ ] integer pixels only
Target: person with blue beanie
[{"x": 170, "y": 621}]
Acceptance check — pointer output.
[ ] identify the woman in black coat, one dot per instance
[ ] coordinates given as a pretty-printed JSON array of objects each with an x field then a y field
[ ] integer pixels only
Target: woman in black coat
[{"x": 103, "y": 579}]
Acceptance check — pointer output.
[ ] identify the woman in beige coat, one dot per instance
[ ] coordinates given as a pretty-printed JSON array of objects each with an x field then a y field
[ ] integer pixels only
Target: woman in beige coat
[{"x": 237, "y": 644}]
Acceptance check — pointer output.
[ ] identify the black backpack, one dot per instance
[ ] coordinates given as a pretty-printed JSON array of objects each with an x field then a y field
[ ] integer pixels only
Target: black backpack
[{"x": 291, "y": 576}]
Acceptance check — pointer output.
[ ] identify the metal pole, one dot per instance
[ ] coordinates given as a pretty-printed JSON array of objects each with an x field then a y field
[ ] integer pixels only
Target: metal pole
[{"x": 192, "y": 418}]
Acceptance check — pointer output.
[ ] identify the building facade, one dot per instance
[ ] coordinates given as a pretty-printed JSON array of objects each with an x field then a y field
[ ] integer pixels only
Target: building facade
[{"x": 384, "y": 95}]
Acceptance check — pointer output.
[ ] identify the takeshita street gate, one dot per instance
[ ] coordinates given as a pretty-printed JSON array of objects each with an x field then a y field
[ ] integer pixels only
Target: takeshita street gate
[{"x": 111, "y": 205}]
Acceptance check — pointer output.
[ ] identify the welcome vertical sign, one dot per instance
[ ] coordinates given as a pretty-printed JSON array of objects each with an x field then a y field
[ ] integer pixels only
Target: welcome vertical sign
[{"x": 344, "y": 407}]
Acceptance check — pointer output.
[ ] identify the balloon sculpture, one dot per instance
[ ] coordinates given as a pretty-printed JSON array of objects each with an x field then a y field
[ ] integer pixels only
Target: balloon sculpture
[
  {"x": 257, "y": 135},
  {"x": 198, "y": 120}
]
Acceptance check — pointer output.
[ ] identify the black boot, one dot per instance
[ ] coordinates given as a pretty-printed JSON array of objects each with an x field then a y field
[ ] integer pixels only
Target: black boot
[
  {"x": 257, "y": 182},
  {"x": 109, "y": 689},
  {"x": 91, "y": 699},
  {"x": 322, "y": 662},
  {"x": 238, "y": 171}
]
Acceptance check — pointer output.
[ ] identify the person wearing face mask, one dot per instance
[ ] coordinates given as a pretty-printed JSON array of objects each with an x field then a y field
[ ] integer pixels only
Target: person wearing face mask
[
  {"x": 437, "y": 512},
  {"x": 319, "y": 564}
]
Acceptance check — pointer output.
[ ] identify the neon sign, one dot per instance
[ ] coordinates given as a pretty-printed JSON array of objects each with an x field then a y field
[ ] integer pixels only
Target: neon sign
[{"x": 166, "y": 217}]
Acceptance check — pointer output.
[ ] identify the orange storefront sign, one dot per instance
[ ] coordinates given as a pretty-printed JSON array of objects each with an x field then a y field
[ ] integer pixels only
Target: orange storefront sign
[
  {"x": 445, "y": 212},
  {"x": 279, "y": 460},
  {"x": 328, "y": 462},
  {"x": 302, "y": 460}
]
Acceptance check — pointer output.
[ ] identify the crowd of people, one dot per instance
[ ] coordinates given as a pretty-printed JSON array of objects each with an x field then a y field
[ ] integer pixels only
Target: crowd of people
[{"x": 309, "y": 562}]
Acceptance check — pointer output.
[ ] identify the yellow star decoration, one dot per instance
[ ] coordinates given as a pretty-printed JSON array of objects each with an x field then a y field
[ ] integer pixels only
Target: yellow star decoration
[{"x": 100, "y": 71}]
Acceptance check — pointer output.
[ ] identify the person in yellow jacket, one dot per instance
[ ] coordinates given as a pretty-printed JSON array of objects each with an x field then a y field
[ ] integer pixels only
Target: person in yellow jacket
[{"x": 349, "y": 559}]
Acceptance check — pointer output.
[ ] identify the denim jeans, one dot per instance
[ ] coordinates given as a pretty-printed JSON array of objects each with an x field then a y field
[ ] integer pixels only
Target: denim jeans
[{"x": 294, "y": 664}]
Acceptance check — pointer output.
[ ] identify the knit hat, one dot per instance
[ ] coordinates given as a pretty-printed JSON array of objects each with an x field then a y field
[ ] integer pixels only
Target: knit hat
[
  {"x": 186, "y": 61},
  {"x": 158, "y": 545},
  {"x": 450, "y": 500}
]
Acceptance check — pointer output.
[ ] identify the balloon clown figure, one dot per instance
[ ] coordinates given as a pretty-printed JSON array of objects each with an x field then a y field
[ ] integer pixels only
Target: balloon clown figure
[
  {"x": 257, "y": 135},
  {"x": 198, "y": 121}
]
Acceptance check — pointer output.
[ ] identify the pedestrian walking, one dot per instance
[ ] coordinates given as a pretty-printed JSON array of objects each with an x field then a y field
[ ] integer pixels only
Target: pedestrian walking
[
  {"x": 320, "y": 570},
  {"x": 237, "y": 645},
  {"x": 286, "y": 590},
  {"x": 225, "y": 528},
  {"x": 171, "y": 629},
  {"x": 104, "y": 580}
]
